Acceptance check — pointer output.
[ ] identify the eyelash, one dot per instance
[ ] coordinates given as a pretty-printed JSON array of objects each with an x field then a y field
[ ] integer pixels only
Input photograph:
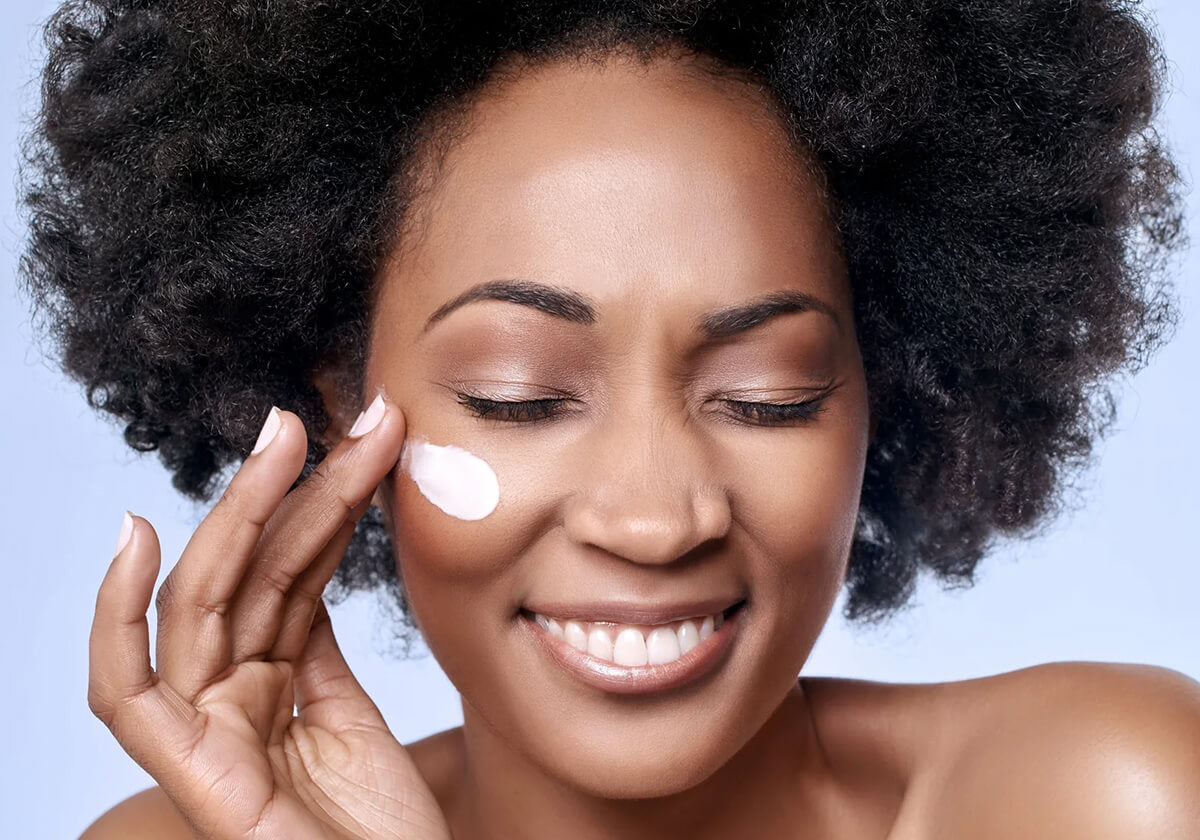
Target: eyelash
[{"x": 533, "y": 411}]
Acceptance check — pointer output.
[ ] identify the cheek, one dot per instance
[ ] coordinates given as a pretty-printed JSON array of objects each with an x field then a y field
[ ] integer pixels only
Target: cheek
[
  {"x": 461, "y": 512},
  {"x": 448, "y": 515},
  {"x": 448, "y": 565},
  {"x": 459, "y": 523},
  {"x": 462, "y": 576},
  {"x": 799, "y": 500}
]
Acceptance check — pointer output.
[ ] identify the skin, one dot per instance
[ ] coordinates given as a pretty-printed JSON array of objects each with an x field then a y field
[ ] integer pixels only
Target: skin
[
  {"x": 648, "y": 488},
  {"x": 657, "y": 194}
]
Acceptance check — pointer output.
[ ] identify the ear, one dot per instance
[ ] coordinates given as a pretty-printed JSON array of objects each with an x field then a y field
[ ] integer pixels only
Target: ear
[{"x": 329, "y": 378}]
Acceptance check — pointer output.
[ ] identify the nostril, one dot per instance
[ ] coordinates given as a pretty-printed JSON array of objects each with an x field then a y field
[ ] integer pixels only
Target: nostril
[{"x": 647, "y": 526}]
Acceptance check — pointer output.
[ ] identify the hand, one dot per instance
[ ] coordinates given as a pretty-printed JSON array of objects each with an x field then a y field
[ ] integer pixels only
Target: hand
[{"x": 243, "y": 634}]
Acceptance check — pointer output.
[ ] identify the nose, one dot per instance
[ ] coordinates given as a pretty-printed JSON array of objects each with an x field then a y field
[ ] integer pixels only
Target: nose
[{"x": 647, "y": 493}]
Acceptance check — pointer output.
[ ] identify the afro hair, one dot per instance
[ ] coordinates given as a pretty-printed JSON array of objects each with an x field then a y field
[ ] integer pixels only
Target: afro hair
[{"x": 210, "y": 187}]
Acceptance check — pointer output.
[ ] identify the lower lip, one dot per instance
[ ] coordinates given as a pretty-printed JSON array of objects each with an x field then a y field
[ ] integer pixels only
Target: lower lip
[{"x": 639, "y": 679}]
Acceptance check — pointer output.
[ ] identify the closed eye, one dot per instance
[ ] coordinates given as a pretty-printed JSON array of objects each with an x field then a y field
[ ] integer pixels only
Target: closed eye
[
  {"x": 777, "y": 414},
  {"x": 522, "y": 411},
  {"x": 532, "y": 411}
]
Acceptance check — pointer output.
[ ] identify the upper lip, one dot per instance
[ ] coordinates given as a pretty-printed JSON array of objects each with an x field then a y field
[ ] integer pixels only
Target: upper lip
[{"x": 628, "y": 612}]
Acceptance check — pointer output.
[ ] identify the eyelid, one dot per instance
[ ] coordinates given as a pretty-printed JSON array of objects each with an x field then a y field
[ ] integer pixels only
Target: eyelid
[
  {"x": 485, "y": 389},
  {"x": 770, "y": 414},
  {"x": 777, "y": 395},
  {"x": 517, "y": 412},
  {"x": 744, "y": 412}
]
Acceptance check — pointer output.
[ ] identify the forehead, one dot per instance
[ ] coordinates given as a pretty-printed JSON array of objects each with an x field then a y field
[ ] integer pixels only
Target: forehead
[{"x": 648, "y": 188}]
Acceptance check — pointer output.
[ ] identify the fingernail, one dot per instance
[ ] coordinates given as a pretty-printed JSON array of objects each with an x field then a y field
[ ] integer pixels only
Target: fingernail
[
  {"x": 369, "y": 419},
  {"x": 270, "y": 428},
  {"x": 126, "y": 533}
]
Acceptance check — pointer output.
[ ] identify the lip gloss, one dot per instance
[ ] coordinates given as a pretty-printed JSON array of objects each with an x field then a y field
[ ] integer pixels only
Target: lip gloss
[{"x": 638, "y": 679}]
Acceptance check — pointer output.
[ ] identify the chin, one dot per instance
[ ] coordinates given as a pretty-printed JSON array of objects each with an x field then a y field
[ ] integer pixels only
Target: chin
[{"x": 614, "y": 771}]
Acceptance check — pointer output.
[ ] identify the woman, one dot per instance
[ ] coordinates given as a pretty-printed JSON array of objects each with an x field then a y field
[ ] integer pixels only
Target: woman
[{"x": 623, "y": 335}]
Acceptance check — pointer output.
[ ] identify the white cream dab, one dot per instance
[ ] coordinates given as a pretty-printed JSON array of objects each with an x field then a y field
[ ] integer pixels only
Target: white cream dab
[{"x": 461, "y": 484}]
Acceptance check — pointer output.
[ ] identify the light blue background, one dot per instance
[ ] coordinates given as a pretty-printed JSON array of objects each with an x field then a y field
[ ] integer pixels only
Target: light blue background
[{"x": 1116, "y": 581}]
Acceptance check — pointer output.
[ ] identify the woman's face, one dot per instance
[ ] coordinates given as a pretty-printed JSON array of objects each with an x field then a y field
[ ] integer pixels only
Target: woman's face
[{"x": 658, "y": 201}]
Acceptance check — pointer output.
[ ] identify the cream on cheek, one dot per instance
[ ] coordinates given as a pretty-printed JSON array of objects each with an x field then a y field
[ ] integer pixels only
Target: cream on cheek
[{"x": 457, "y": 481}]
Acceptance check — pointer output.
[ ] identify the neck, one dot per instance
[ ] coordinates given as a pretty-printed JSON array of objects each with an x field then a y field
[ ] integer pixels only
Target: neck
[{"x": 779, "y": 782}]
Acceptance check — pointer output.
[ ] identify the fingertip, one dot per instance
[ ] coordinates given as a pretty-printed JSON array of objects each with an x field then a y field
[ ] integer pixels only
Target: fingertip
[
  {"x": 394, "y": 416},
  {"x": 270, "y": 429},
  {"x": 125, "y": 534},
  {"x": 401, "y": 419},
  {"x": 282, "y": 442},
  {"x": 141, "y": 528},
  {"x": 288, "y": 418},
  {"x": 135, "y": 538},
  {"x": 396, "y": 435},
  {"x": 132, "y": 573}
]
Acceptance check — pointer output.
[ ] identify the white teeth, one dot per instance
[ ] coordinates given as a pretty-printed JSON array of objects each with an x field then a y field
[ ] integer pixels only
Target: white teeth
[
  {"x": 662, "y": 645},
  {"x": 630, "y": 648},
  {"x": 689, "y": 636},
  {"x": 600, "y": 644},
  {"x": 576, "y": 635}
]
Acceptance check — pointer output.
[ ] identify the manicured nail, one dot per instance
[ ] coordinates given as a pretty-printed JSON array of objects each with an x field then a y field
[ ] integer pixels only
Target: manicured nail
[
  {"x": 270, "y": 428},
  {"x": 126, "y": 533},
  {"x": 369, "y": 419}
]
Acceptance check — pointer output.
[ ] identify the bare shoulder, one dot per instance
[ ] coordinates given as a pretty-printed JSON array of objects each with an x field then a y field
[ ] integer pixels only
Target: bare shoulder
[
  {"x": 1068, "y": 750},
  {"x": 148, "y": 815}
]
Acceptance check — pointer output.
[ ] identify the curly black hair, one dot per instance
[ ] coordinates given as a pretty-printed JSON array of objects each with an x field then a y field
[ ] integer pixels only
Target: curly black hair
[{"x": 211, "y": 185}]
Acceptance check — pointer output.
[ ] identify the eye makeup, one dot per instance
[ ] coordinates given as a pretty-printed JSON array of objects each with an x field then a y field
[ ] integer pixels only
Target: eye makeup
[
  {"x": 739, "y": 383},
  {"x": 519, "y": 411},
  {"x": 750, "y": 412}
]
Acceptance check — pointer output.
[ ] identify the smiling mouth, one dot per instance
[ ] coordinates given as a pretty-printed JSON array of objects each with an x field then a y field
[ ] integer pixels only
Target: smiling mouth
[
  {"x": 636, "y": 658},
  {"x": 629, "y": 643}
]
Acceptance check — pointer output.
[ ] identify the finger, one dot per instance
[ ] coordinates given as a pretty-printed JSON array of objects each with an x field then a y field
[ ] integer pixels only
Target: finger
[
  {"x": 307, "y": 521},
  {"x": 300, "y": 607},
  {"x": 157, "y": 727},
  {"x": 193, "y": 602},
  {"x": 327, "y": 694},
  {"x": 149, "y": 719}
]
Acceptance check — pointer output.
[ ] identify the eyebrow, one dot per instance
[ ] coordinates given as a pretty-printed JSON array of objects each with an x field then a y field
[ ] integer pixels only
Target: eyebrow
[
  {"x": 724, "y": 323},
  {"x": 577, "y": 308},
  {"x": 562, "y": 303}
]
